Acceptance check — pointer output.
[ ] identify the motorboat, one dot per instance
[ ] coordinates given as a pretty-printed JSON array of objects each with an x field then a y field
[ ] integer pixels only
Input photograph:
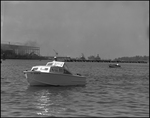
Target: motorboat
[
  {"x": 53, "y": 73},
  {"x": 114, "y": 65}
]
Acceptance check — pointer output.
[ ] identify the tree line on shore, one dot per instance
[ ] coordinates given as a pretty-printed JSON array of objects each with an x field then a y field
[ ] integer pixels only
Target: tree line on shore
[{"x": 133, "y": 58}]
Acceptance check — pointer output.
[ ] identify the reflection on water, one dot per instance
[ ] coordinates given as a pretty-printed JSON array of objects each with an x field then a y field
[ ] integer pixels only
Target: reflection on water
[{"x": 50, "y": 101}]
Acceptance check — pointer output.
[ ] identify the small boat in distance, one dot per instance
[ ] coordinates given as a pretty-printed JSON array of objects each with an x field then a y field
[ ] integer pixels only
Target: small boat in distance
[
  {"x": 114, "y": 65},
  {"x": 53, "y": 73}
]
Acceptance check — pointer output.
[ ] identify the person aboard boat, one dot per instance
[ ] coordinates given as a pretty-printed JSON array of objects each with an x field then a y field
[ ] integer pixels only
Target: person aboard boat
[{"x": 55, "y": 58}]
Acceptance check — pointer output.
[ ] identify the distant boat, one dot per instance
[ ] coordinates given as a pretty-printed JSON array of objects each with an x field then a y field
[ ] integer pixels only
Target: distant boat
[
  {"x": 114, "y": 65},
  {"x": 53, "y": 73}
]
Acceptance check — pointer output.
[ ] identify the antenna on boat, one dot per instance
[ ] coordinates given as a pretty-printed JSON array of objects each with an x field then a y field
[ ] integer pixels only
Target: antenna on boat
[{"x": 56, "y": 53}]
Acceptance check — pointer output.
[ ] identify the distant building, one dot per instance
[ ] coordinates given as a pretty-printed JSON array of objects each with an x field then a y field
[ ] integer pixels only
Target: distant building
[
  {"x": 20, "y": 49},
  {"x": 94, "y": 57}
]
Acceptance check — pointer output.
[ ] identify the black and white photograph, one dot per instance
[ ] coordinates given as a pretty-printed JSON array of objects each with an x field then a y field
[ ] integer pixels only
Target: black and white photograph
[{"x": 74, "y": 58}]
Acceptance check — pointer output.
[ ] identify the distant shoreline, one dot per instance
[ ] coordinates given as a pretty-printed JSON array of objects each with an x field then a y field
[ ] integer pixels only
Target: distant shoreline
[{"x": 77, "y": 60}]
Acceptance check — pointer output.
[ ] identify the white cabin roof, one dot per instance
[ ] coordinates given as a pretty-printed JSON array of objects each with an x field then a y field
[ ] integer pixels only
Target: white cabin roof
[
  {"x": 55, "y": 63},
  {"x": 41, "y": 68}
]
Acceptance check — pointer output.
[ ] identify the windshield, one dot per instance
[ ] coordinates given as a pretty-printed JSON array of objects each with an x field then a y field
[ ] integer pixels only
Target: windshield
[
  {"x": 66, "y": 67},
  {"x": 50, "y": 64}
]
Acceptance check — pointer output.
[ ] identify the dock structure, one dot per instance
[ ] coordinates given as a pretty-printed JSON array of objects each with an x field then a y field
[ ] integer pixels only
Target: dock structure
[{"x": 107, "y": 61}]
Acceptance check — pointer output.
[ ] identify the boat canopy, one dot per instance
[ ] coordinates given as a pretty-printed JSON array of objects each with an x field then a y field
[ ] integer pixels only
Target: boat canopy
[
  {"x": 55, "y": 63},
  {"x": 41, "y": 68},
  {"x": 54, "y": 66}
]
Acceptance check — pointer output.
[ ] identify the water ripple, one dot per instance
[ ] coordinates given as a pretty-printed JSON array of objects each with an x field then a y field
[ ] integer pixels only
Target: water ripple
[{"x": 109, "y": 92}]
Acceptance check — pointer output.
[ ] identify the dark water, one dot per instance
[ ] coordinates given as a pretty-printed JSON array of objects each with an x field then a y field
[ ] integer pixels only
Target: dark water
[{"x": 109, "y": 91}]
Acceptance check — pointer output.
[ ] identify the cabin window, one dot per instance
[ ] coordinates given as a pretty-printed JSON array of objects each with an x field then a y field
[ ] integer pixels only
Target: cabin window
[
  {"x": 60, "y": 70},
  {"x": 57, "y": 69},
  {"x": 44, "y": 69},
  {"x": 34, "y": 69},
  {"x": 49, "y": 64},
  {"x": 54, "y": 69}
]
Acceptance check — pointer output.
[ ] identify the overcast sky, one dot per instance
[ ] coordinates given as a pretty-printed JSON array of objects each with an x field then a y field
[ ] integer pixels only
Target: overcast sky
[{"x": 111, "y": 29}]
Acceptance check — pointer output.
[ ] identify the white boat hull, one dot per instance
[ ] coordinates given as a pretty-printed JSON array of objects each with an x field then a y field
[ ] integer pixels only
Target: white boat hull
[{"x": 38, "y": 78}]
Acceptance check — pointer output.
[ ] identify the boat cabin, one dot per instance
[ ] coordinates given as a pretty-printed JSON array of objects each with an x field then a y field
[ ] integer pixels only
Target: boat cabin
[
  {"x": 53, "y": 67},
  {"x": 114, "y": 65}
]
